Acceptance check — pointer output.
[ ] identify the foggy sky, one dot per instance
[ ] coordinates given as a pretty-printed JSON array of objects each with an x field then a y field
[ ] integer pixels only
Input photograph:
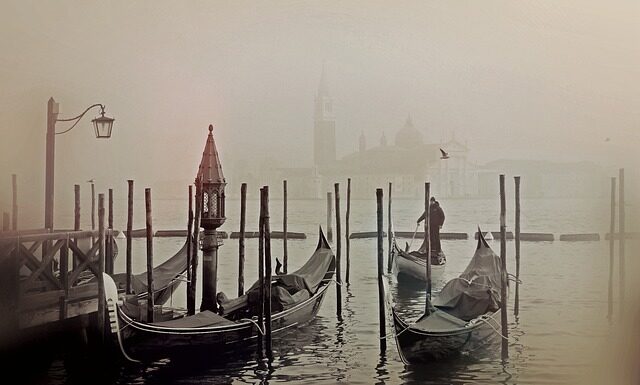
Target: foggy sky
[{"x": 515, "y": 79}]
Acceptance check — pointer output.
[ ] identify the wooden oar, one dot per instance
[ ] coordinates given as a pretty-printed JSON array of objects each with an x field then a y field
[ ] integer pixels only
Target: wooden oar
[{"x": 414, "y": 236}]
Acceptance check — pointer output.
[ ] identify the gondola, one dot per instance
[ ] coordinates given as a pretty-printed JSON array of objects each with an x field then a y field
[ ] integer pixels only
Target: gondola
[
  {"x": 411, "y": 266},
  {"x": 296, "y": 299},
  {"x": 463, "y": 316},
  {"x": 166, "y": 278}
]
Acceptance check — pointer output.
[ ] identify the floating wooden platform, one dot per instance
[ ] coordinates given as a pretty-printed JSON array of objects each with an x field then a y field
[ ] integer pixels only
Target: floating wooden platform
[
  {"x": 420, "y": 234},
  {"x": 580, "y": 237}
]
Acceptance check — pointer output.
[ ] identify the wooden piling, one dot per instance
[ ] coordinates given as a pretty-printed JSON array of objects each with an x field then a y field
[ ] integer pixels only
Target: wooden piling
[
  {"x": 347, "y": 241},
  {"x": 6, "y": 221},
  {"x": 389, "y": 236},
  {"x": 504, "y": 281},
  {"x": 191, "y": 298},
  {"x": 516, "y": 306},
  {"x": 621, "y": 245},
  {"x": 102, "y": 302},
  {"x": 612, "y": 242},
  {"x": 260, "y": 337},
  {"x": 93, "y": 206},
  {"x": 336, "y": 187},
  {"x": 109, "y": 245},
  {"x": 381, "y": 306},
  {"x": 189, "y": 243},
  {"x": 129, "y": 268},
  {"x": 329, "y": 219},
  {"x": 76, "y": 218},
  {"x": 150, "y": 304},
  {"x": 14, "y": 212},
  {"x": 427, "y": 240},
  {"x": 267, "y": 266},
  {"x": 243, "y": 223},
  {"x": 285, "y": 251}
]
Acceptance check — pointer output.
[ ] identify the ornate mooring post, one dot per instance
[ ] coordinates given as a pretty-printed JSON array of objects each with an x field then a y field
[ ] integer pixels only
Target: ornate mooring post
[{"x": 212, "y": 199}]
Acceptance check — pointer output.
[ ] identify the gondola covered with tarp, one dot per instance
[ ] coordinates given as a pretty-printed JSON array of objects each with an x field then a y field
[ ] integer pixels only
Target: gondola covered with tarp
[
  {"x": 296, "y": 299},
  {"x": 464, "y": 315}
]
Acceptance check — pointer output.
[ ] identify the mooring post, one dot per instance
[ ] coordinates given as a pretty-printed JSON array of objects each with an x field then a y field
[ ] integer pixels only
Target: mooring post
[
  {"x": 261, "y": 323},
  {"x": 427, "y": 242},
  {"x": 191, "y": 298},
  {"x": 6, "y": 221},
  {"x": 102, "y": 302},
  {"x": 129, "y": 268},
  {"x": 336, "y": 187},
  {"x": 504, "y": 282},
  {"x": 267, "y": 267},
  {"x": 109, "y": 245},
  {"x": 189, "y": 243},
  {"x": 149, "y": 227},
  {"x": 623, "y": 235},
  {"x": 14, "y": 189},
  {"x": 93, "y": 208},
  {"x": 612, "y": 242},
  {"x": 329, "y": 219},
  {"x": 285, "y": 252},
  {"x": 516, "y": 306},
  {"x": 346, "y": 231},
  {"x": 76, "y": 218},
  {"x": 243, "y": 223},
  {"x": 381, "y": 307},
  {"x": 389, "y": 231}
]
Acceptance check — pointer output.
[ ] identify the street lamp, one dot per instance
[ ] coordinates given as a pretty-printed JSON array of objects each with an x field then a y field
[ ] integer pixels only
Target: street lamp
[{"x": 102, "y": 126}]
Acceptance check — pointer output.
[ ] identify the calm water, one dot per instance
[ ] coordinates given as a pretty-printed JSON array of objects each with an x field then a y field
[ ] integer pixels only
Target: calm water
[{"x": 563, "y": 299}]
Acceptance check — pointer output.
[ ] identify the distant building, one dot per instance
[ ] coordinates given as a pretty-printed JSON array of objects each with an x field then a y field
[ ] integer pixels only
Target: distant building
[{"x": 324, "y": 127}]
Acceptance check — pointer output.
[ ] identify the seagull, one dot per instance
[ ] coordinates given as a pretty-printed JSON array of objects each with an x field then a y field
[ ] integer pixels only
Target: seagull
[
  {"x": 607, "y": 139},
  {"x": 90, "y": 181},
  {"x": 445, "y": 155}
]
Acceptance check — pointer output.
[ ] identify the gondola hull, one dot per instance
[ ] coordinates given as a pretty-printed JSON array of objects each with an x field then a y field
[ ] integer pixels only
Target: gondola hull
[
  {"x": 417, "y": 346},
  {"x": 146, "y": 342},
  {"x": 413, "y": 268}
]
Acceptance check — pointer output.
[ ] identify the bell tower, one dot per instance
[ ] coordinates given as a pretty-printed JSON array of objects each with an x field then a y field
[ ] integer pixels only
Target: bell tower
[{"x": 324, "y": 128}]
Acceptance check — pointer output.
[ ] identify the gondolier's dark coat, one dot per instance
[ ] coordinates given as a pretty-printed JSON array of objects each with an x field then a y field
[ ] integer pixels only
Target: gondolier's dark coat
[{"x": 436, "y": 220}]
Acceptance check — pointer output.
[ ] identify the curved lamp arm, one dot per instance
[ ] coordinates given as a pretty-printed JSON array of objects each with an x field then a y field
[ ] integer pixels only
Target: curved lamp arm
[{"x": 78, "y": 118}]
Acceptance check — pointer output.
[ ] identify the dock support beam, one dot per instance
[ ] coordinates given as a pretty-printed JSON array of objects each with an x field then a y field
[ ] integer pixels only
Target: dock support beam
[
  {"x": 149, "y": 227},
  {"x": 612, "y": 243},
  {"x": 243, "y": 223},
  {"x": 621, "y": 229},
  {"x": 516, "y": 306}
]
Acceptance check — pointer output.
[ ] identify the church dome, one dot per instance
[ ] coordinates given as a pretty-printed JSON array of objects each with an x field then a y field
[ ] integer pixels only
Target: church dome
[{"x": 409, "y": 136}]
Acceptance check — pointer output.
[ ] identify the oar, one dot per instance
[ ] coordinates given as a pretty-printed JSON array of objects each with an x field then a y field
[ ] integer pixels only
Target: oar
[{"x": 414, "y": 235}]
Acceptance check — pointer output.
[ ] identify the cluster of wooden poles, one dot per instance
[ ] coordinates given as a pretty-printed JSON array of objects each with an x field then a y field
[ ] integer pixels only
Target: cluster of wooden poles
[{"x": 503, "y": 258}]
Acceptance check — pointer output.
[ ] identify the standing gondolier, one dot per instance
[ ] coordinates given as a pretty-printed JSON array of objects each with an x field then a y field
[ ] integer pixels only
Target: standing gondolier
[{"x": 436, "y": 220}]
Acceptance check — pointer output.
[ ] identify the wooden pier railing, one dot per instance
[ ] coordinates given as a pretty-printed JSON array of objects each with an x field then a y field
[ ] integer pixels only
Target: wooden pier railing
[{"x": 42, "y": 284}]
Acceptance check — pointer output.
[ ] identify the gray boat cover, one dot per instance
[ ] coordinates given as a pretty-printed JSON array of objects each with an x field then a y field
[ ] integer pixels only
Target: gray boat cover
[
  {"x": 163, "y": 274},
  {"x": 286, "y": 289},
  {"x": 477, "y": 290},
  {"x": 203, "y": 319}
]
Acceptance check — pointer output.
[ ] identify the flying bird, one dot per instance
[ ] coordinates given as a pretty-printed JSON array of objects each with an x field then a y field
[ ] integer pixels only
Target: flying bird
[
  {"x": 607, "y": 139},
  {"x": 445, "y": 155}
]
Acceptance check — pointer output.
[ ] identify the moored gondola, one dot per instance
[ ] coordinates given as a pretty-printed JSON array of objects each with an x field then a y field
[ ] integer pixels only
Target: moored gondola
[
  {"x": 411, "y": 266},
  {"x": 464, "y": 315},
  {"x": 296, "y": 299}
]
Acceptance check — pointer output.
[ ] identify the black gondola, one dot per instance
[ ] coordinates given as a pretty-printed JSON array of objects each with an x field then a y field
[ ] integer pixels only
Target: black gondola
[
  {"x": 464, "y": 315},
  {"x": 296, "y": 299}
]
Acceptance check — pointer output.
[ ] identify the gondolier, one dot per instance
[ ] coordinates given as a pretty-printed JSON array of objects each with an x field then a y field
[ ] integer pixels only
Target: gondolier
[{"x": 436, "y": 220}]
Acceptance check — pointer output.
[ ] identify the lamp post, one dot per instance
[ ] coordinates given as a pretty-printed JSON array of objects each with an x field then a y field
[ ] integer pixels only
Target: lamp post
[
  {"x": 212, "y": 183},
  {"x": 102, "y": 127}
]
